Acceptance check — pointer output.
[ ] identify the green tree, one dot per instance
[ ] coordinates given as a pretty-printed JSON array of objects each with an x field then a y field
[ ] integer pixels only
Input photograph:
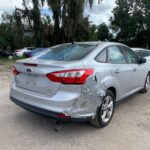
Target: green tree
[
  {"x": 36, "y": 17},
  {"x": 7, "y": 32},
  {"x": 130, "y": 23},
  {"x": 69, "y": 24},
  {"x": 146, "y": 8},
  {"x": 103, "y": 32},
  {"x": 18, "y": 28},
  {"x": 68, "y": 19},
  {"x": 121, "y": 20},
  {"x": 92, "y": 32}
]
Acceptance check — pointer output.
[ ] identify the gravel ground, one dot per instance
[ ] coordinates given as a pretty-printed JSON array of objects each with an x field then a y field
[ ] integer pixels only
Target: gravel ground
[{"x": 22, "y": 130}]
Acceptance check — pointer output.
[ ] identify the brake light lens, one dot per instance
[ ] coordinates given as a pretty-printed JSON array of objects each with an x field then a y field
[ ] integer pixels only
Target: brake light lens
[
  {"x": 61, "y": 115},
  {"x": 75, "y": 76},
  {"x": 17, "y": 50},
  {"x": 15, "y": 71}
]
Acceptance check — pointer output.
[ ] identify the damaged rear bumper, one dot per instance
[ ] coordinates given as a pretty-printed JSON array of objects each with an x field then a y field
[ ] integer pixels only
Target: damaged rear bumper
[
  {"x": 80, "y": 102},
  {"x": 51, "y": 114}
]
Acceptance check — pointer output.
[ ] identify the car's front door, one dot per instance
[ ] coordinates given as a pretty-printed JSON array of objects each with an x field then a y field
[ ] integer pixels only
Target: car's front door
[
  {"x": 121, "y": 71},
  {"x": 138, "y": 70}
]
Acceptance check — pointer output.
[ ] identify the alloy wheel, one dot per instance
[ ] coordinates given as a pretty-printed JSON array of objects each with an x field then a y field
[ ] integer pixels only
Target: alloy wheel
[{"x": 107, "y": 108}]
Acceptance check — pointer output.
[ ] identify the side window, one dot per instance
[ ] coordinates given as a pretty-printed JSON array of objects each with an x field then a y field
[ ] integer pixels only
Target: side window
[
  {"x": 102, "y": 56},
  {"x": 115, "y": 55},
  {"x": 131, "y": 56}
]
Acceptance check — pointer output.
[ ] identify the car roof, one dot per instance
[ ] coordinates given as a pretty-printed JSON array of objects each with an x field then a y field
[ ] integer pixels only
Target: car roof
[{"x": 99, "y": 43}]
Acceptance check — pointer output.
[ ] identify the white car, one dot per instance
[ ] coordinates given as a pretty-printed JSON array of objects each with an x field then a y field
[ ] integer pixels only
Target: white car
[
  {"x": 142, "y": 52},
  {"x": 20, "y": 52}
]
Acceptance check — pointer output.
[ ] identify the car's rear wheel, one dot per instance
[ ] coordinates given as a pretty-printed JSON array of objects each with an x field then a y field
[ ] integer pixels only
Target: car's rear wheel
[
  {"x": 147, "y": 84},
  {"x": 105, "y": 112}
]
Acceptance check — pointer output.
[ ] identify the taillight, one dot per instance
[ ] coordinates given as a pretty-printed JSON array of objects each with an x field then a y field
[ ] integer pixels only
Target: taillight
[
  {"x": 15, "y": 71},
  {"x": 75, "y": 76},
  {"x": 18, "y": 50},
  {"x": 61, "y": 115}
]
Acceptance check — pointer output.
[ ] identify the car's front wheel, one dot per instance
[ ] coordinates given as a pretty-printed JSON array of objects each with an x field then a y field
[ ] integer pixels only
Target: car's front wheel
[
  {"x": 147, "y": 84},
  {"x": 105, "y": 111}
]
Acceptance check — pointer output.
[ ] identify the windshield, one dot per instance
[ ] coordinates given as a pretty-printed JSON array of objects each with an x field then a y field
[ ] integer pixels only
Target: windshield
[
  {"x": 69, "y": 52},
  {"x": 143, "y": 53}
]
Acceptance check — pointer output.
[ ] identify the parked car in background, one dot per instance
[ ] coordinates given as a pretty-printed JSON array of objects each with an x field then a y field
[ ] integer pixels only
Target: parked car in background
[
  {"x": 6, "y": 54},
  {"x": 35, "y": 52},
  {"x": 142, "y": 52},
  {"x": 79, "y": 81},
  {"x": 19, "y": 52}
]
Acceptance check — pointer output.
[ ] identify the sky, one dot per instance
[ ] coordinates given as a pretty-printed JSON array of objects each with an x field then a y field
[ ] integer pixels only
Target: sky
[{"x": 98, "y": 14}]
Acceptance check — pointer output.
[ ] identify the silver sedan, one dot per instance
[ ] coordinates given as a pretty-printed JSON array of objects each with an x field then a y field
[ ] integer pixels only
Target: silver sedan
[{"x": 79, "y": 81}]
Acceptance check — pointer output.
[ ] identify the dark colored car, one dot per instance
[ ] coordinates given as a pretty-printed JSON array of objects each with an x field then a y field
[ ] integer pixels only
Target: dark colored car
[
  {"x": 34, "y": 52},
  {"x": 6, "y": 54}
]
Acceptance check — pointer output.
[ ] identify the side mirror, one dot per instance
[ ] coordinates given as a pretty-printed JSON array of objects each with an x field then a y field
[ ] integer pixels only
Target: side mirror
[{"x": 142, "y": 60}]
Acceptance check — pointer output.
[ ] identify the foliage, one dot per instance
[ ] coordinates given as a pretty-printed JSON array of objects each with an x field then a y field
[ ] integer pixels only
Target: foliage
[
  {"x": 6, "y": 36},
  {"x": 69, "y": 21},
  {"x": 131, "y": 20},
  {"x": 103, "y": 32},
  {"x": 28, "y": 27}
]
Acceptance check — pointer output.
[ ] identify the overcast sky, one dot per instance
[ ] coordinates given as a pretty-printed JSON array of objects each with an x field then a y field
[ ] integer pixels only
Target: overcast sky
[{"x": 98, "y": 14}]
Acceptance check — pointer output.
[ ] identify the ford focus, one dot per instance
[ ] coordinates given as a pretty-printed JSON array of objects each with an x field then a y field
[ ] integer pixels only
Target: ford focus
[{"x": 79, "y": 81}]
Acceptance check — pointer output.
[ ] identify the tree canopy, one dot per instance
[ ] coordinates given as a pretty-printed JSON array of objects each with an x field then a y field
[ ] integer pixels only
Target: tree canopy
[
  {"x": 131, "y": 21},
  {"x": 129, "y": 24}
]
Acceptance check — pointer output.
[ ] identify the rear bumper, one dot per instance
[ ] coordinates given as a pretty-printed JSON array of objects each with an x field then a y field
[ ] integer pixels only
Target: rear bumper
[
  {"x": 76, "y": 103},
  {"x": 51, "y": 114},
  {"x": 18, "y": 54}
]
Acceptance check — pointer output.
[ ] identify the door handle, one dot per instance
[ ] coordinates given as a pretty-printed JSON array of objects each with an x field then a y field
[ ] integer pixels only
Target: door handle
[{"x": 117, "y": 70}]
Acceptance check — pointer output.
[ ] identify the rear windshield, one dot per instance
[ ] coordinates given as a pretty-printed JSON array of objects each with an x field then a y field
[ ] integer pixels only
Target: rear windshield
[
  {"x": 70, "y": 52},
  {"x": 143, "y": 53}
]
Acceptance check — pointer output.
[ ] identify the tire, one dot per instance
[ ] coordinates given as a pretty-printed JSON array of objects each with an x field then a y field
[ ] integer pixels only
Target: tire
[
  {"x": 147, "y": 84},
  {"x": 99, "y": 120}
]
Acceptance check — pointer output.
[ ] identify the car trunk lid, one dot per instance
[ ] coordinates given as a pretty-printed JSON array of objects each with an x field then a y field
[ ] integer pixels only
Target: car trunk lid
[{"x": 33, "y": 73}]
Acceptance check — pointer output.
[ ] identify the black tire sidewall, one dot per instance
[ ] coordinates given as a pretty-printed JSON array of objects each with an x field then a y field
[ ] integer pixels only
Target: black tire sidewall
[{"x": 145, "y": 90}]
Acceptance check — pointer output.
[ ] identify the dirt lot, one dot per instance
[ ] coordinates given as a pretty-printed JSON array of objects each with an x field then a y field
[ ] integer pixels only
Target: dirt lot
[{"x": 22, "y": 130}]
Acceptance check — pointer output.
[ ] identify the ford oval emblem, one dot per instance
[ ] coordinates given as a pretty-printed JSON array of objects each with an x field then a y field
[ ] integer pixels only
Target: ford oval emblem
[{"x": 29, "y": 70}]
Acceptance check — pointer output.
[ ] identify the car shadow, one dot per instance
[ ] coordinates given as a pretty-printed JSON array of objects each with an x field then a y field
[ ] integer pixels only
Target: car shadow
[
  {"x": 32, "y": 122},
  {"x": 45, "y": 126}
]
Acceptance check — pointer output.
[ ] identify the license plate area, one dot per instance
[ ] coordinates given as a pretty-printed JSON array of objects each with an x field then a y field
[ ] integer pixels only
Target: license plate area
[{"x": 31, "y": 80}]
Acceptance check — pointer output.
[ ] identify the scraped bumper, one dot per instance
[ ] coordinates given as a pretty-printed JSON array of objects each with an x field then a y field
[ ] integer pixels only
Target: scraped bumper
[
  {"x": 51, "y": 114},
  {"x": 77, "y": 104}
]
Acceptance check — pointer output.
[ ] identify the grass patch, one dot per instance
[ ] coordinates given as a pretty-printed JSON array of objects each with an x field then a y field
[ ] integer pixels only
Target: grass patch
[
  {"x": 6, "y": 64},
  {"x": 5, "y": 61}
]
